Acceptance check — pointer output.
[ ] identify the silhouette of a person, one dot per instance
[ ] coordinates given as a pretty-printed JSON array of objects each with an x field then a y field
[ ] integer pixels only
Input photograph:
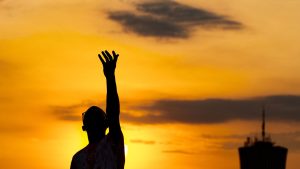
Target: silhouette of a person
[{"x": 103, "y": 151}]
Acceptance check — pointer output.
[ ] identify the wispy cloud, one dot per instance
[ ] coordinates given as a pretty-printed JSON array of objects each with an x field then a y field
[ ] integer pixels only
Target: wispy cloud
[
  {"x": 169, "y": 19},
  {"x": 142, "y": 141},
  {"x": 70, "y": 112},
  {"x": 9, "y": 71},
  {"x": 177, "y": 151}
]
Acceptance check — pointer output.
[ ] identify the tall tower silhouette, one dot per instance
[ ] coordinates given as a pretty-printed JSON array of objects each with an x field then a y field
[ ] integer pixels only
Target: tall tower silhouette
[{"x": 262, "y": 153}]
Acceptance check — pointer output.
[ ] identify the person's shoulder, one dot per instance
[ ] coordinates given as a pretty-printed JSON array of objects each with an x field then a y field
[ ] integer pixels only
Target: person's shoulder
[
  {"x": 77, "y": 159},
  {"x": 78, "y": 154}
]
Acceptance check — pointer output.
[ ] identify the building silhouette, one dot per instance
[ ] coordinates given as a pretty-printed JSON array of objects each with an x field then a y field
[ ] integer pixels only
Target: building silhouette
[{"x": 262, "y": 153}]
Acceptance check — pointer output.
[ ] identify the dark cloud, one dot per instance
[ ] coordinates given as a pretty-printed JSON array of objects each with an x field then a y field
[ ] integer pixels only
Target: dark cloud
[
  {"x": 170, "y": 19},
  {"x": 143, "y": 141},
  {"x": 148, "y": 26},
  {"x": 279, "y": 108},
  {"x": 184, "y": 14}
]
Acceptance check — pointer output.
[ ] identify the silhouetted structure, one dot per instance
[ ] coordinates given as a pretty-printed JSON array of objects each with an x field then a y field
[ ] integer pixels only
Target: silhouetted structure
[{"x": 262, "y": 154}]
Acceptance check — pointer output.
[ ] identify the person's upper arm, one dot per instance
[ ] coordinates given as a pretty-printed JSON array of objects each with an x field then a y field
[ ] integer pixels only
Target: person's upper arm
[{"x": 115, "y": 133}]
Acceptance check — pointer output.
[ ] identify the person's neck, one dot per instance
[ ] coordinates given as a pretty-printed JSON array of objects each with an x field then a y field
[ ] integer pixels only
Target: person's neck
[{"x": 95, "y": 138}]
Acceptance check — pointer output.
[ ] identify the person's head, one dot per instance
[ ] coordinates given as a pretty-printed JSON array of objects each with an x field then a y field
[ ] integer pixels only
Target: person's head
[{"x": 94, "y": 120}]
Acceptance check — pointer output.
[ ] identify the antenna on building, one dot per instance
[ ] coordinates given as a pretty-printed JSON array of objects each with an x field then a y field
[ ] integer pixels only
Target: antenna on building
[
  {"x": 262, "y": 154},
  {"x": 263, "y": 127}
]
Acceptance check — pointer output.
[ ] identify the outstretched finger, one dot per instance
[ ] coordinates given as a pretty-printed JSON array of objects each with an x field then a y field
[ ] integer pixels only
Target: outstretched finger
[
  {"x": 106, "y": 58},
  {"x": 109, "y": 55},
  {"x": 103, "y": 62},
  {"x": 116, "y": 56}
]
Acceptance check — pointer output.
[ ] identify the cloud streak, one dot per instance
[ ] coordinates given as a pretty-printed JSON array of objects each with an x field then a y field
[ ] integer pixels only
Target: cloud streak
[
  {"x": 231, "y": 142},
  {"x": 14, "y": 129},
  {"x": 66, "y": 113},
  {"x": 5, "y": 67},
  {"x": 169, "y": 19}
]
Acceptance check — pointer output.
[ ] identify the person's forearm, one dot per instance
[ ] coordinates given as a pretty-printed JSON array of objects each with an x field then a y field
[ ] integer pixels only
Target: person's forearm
[{"x": 112, "y": 99}]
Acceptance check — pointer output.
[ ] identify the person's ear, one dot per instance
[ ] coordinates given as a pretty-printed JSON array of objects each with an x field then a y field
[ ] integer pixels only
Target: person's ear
[
  {"x": 106, "y": 123},
  {"x": 83, "y": 128}
]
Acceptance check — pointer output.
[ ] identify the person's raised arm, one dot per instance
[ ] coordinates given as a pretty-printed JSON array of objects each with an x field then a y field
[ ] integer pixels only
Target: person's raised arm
[{"x": 112, "y": 99}]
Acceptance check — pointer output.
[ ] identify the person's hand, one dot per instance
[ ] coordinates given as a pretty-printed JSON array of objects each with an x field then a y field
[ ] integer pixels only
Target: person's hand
[{"x": 109, "y": 62}]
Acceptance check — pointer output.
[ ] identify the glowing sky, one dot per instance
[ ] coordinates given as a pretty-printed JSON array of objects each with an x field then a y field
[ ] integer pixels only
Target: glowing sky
[{"x": 244, "y": 52}]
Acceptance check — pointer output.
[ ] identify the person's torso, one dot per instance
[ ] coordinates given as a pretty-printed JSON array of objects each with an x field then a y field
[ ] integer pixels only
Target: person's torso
[{"x": 102, "y": 155}]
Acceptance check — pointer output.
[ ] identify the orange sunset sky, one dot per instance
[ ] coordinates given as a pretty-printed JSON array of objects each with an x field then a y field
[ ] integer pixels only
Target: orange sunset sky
[{"x": 192, "y": 76}]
